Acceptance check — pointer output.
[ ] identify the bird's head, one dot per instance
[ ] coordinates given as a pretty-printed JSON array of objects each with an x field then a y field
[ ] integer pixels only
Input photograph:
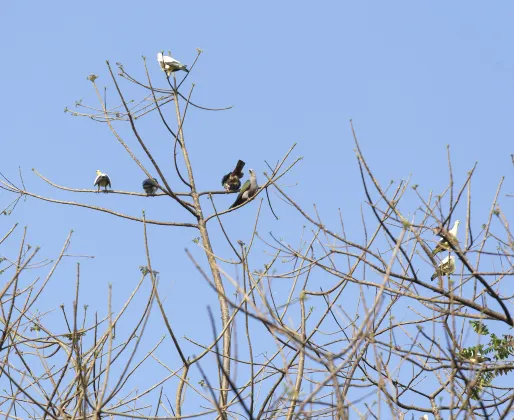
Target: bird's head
[
  {"x": 457, "y": 222},
  {"x": 98, "y": 172},
  {"x": 252, "y": 173}
]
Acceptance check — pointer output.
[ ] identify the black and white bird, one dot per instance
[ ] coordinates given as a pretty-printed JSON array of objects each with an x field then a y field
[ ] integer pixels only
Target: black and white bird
[
  {"x": 102, "y": 180},
  {"x": 248, "y": 190},
  {"x": 232, "y": 180},
  {"x": 443, "y": 243},
  {"x": 150, "y": 185},
  {"x": 170, "y": 65},
  {"x": 446, "y": 267}
]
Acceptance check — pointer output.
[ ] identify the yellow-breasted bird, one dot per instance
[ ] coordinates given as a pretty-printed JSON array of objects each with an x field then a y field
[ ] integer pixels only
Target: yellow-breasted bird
[{"x": 102, "y": 180}]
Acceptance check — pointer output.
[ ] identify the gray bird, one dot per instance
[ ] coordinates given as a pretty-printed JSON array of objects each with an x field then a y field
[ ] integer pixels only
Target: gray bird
[
  {"x": 150, "y": 185},
  {"x": 248, "y": 190},
  {"x": 102, "y": 180},
  {"x": 232, "y": 180}
]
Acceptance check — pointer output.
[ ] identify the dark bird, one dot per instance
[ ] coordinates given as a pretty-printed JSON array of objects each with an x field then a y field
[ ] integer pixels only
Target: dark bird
[
  {"x": 231, "y": 181},
  {"x": 150, "y": 185},
  {"x": 248, "y": 190},
  {"x": 102, "y": 180}
]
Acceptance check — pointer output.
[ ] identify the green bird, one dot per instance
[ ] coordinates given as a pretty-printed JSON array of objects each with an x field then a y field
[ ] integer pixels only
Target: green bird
[
  {"x": 443, "y": 243},
  {"x": 102, "y": 180},
  {"x": 248, "y": 190},
  {"x": 446, "y": 267},
  {"x": 232, "y": 180}
]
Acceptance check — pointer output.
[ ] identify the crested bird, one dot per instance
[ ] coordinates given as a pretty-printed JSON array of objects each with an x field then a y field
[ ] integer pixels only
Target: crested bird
[
  {"x": 445, "y": 268},
  {"x": 443, "y": 243},
  {"x": 102, "y": 180},
  {"x": 248, "y": 190},
  {"x": 150, "y": 185},
  {"x": 231, "y": 181},
  {"x": 170, "y": 65}
]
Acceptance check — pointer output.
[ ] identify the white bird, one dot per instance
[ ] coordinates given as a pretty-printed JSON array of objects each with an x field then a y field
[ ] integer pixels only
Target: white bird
[
  {"x": 443, "y": 243},
  {"x": 446, "y": 267},
  {"x": 102, "y": 180},
  {"x": 169, "y": 64}
]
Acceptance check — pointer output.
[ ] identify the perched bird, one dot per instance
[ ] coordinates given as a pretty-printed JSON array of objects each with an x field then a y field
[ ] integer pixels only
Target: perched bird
[
  {"x": 102, "y": 180},
  {"x": 446, "y": 267},
  {"x": 443, "y": 243},
  {"x": 474, "y": 355},
  {"x": 479, "y": 358},
  {"x": 150, "y": 185},
  {"x": 169, "y": 64},
  {"x": 248, "y": 190},
  {"x": 231, "y": 181}
]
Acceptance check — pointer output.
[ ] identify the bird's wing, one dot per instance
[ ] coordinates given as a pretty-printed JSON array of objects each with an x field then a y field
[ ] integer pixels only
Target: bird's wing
[
  {"x": 224, "y": 179},
  {"x": 97, "y": 180},
  {"x": 245, "y": 186},
  {"x": 170, "y": 60}
]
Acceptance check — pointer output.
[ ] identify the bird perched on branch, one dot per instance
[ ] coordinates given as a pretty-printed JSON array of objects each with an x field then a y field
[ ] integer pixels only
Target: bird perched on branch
[
  {"x": 248, "y": 190},
  {"x": 474, "y": 355},
  {"x": 170, "y": 65},
  {"x": 231, "y": 181},
  {"x": 446, "y": 267},
  {"x": 102, "y": 180},
  {"x": 443, "y": 243},
  {"x": 150, "y": 185}
]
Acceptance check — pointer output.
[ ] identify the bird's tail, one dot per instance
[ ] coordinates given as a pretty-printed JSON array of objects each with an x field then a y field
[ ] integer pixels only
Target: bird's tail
[
  {"x": 434, "y": 276},
  {"x": 236, "y": 203},
  {"x": 239, "y": 169}
]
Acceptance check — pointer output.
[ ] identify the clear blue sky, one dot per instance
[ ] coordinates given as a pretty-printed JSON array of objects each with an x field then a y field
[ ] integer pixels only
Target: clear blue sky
[{"x": 413, "y": 76}]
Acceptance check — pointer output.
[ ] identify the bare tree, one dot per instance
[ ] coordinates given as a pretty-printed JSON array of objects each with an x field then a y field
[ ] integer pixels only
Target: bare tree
[{"x": 332, "y": 327}]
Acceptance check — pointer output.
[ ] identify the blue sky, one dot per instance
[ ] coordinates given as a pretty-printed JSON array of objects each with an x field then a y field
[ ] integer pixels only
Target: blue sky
[{"x": 413, "y": 76}]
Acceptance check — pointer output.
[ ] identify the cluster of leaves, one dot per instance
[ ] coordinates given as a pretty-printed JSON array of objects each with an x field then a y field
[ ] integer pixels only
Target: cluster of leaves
[{"x": 500, "y": 348}]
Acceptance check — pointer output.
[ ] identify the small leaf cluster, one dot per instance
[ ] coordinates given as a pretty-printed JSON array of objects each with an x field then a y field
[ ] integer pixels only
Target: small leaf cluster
[{"x": 499, "y": 348}]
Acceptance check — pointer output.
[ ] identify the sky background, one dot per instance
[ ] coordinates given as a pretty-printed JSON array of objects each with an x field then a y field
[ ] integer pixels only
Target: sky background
[{"x": 413, "y": 76}]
